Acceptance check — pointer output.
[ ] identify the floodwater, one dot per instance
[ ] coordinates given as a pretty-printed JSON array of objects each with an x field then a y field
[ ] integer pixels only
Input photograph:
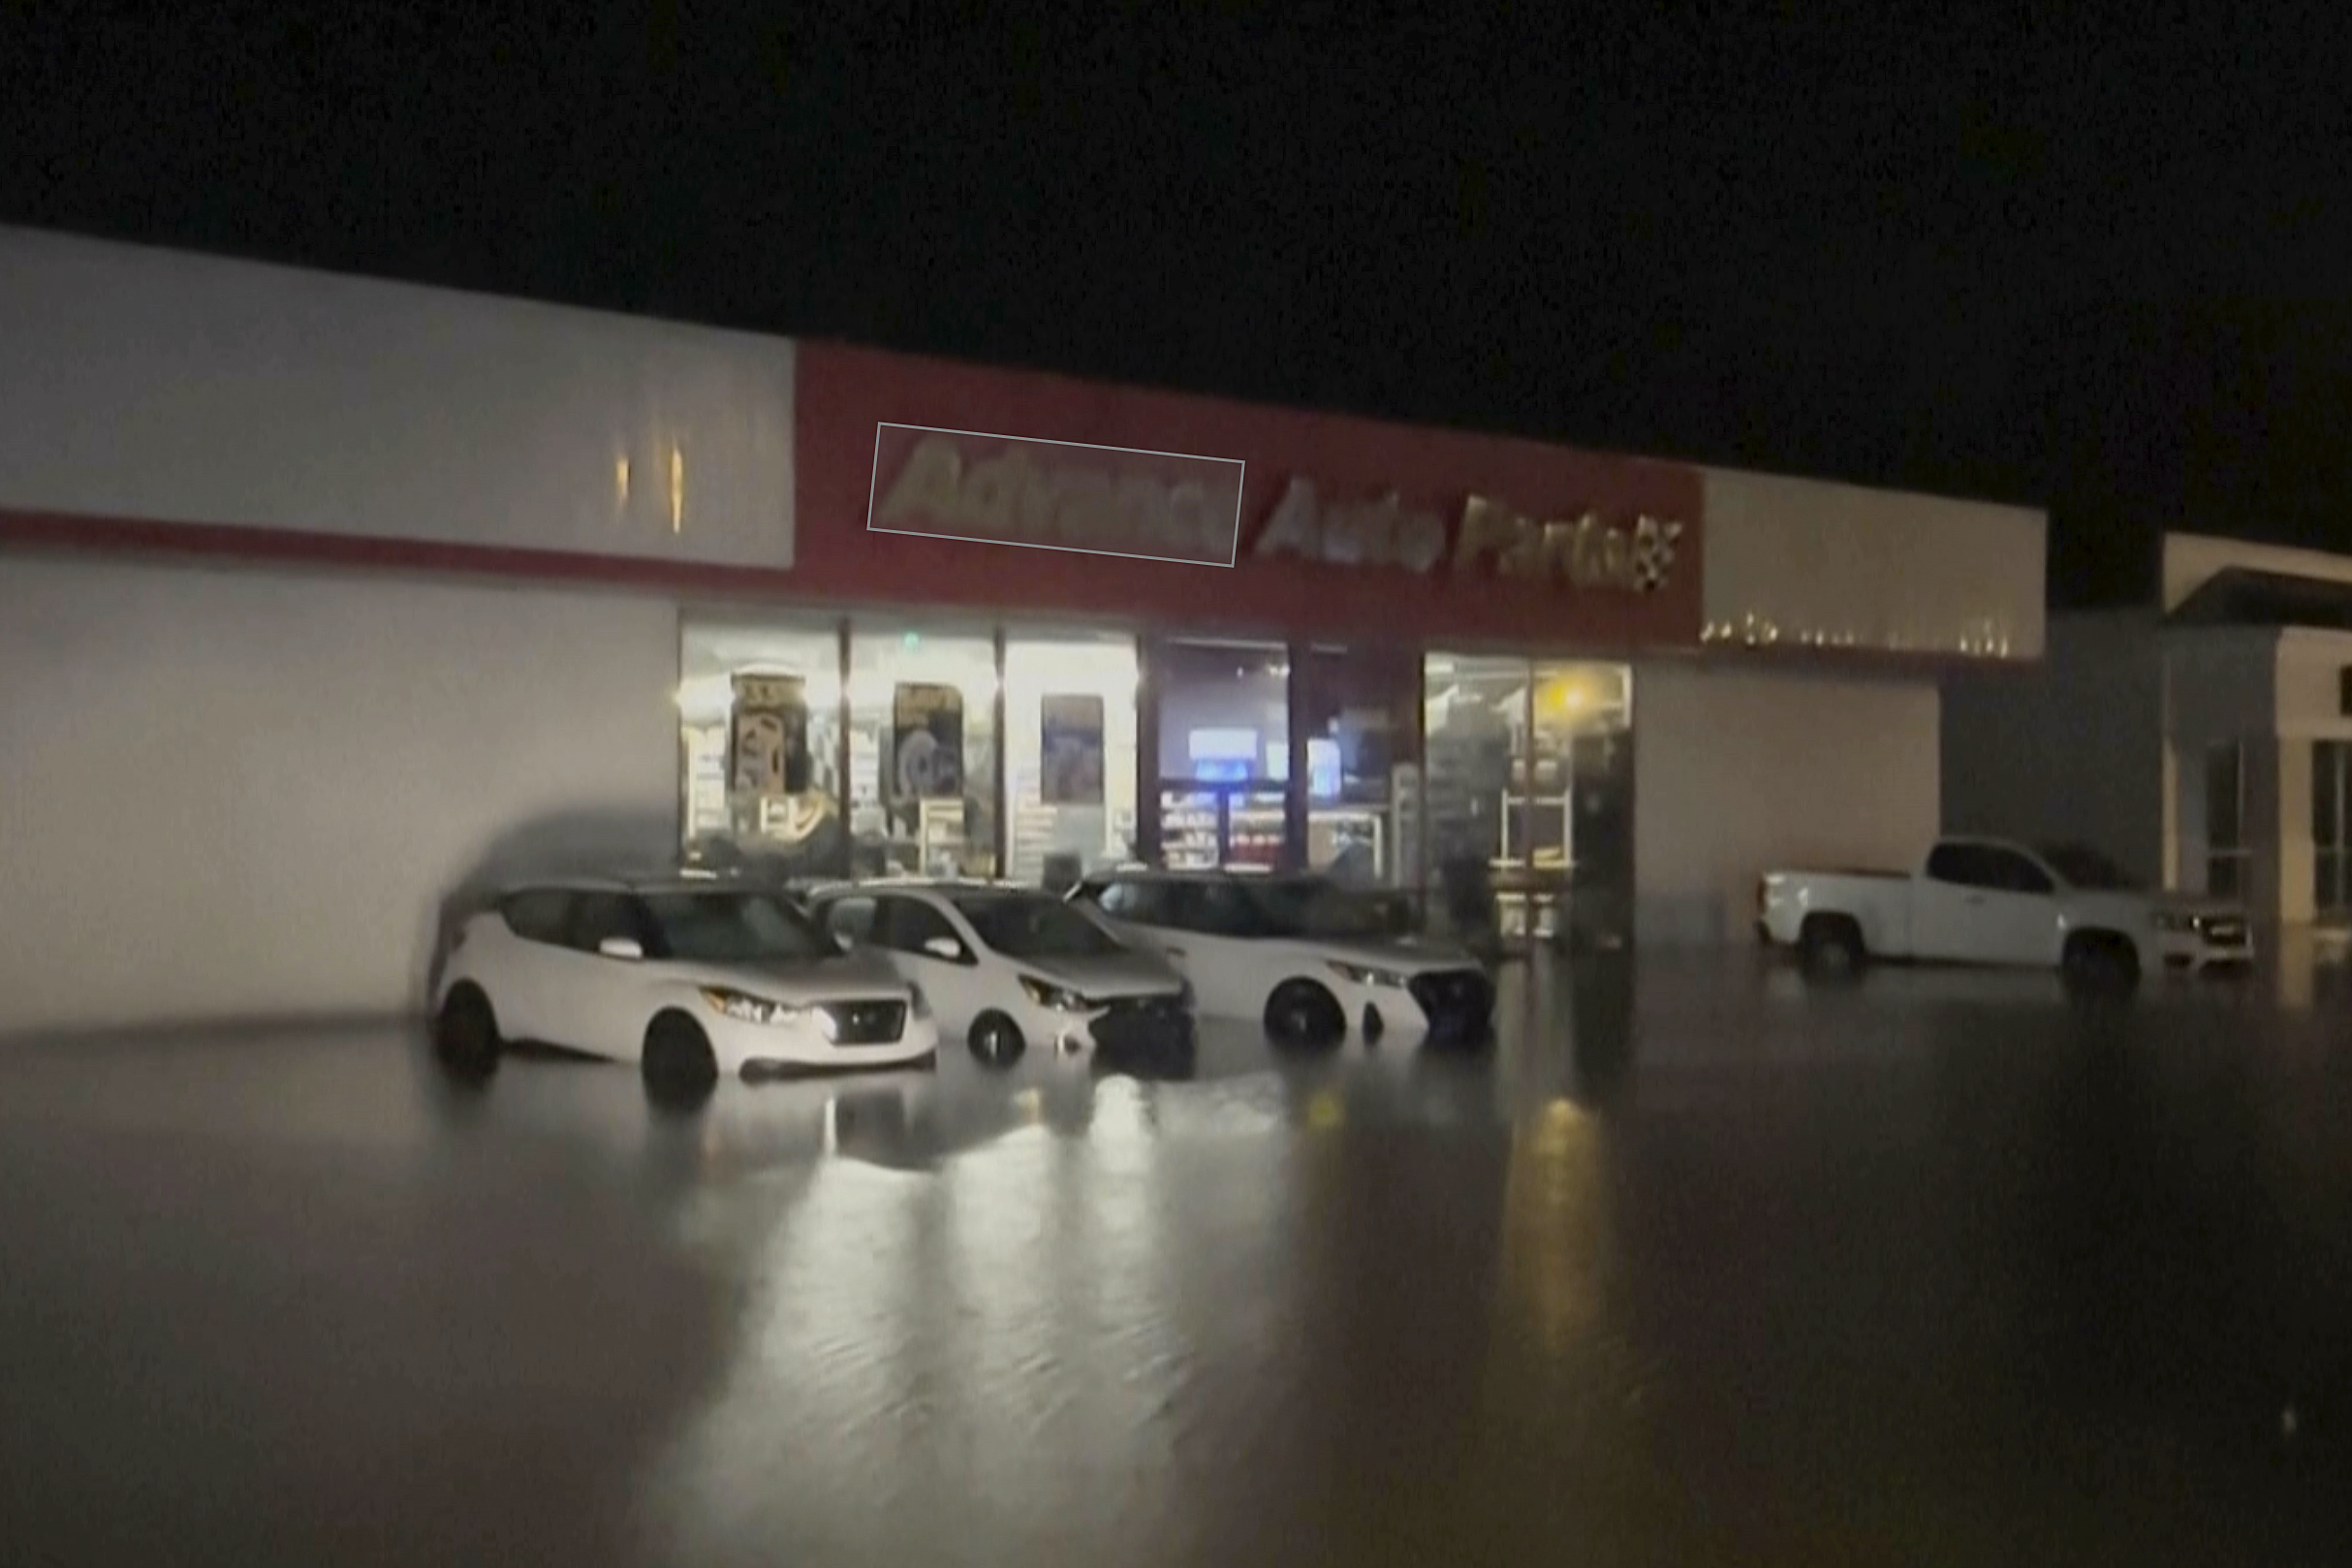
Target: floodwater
[{"x": 1691, "y": 1266}]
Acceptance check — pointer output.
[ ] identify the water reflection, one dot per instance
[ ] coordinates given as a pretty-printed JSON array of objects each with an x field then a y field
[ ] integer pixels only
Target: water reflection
[
  {"x": 1601, "y": 1028},
  {"x": 1935, "y": 1249}
]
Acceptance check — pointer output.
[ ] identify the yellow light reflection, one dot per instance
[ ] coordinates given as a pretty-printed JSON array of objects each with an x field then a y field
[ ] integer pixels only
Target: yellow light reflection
[
  {"x": 678, "y": 489},
  {"x": 1574, "y": 692},
  {"x": 620, "y": 481},
  {"x": 1324, "y": 1112},
  {"x": 1555, "y": 1230}
]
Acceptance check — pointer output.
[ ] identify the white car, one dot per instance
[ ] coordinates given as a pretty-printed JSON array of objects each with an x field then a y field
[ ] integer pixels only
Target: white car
[
  {"x": 1006, "y": 967},
  {"x": 1298, "y": 954},
  {"x": 692, "y": 979}
]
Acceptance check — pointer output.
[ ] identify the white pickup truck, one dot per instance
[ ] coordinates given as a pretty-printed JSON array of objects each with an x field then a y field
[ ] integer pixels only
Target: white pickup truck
[{"x": 1976, "y": 901}]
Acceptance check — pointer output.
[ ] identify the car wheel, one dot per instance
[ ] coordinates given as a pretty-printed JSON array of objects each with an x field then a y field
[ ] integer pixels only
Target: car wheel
[
  {"x": 1302, "y": 1012},
  {"x": 678, "y": 1059},
  {"x": 996, "y": 1040},
  {"x": 1829, "y": 947},
  {"x": 465, "y": 1035},
  {"x": 2099, "y": 964}
]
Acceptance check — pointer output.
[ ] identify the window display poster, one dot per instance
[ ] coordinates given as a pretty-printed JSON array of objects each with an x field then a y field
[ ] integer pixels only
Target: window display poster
[
  {"x": 768, "y": 742},
  {"x": 927, "y": 740},
  {"x": 1072, "y": 765}
]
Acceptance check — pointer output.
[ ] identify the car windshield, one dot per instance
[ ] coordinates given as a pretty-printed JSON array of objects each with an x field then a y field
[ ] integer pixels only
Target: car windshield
[
  {"x": 733, "y": 927},
  {"x": 1035, "y": 926},
  {"x": 1308, "y": 906},
  {"x": 2086, "y": 868}
]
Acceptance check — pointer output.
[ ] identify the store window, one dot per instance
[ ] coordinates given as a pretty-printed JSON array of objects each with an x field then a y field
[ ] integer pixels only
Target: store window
[
  {"x": 1529, "y": 789},
  {"x": 2331, "y": 829},
  {"x": 1070, "y": 755},
  {"x": 1580, "y": 819},
  {"x": 2225, "y": 851},
  {"x": 760, "y": 731},
  {"x": 1224, "y": 752},
  {"x": 921, "y": 750},
  {"x": 1363, "y": 766},
  {"x": 1475, "y": 725}
]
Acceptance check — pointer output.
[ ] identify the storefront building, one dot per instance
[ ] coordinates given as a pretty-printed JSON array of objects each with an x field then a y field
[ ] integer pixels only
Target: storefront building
[
  {"x": 320, "y": 597},
  {"x": 2202, "y": 740}
]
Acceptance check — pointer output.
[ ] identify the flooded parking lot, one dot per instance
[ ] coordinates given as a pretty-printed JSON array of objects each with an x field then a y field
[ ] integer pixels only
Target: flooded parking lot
[{"x": 1692, "y": 1266}]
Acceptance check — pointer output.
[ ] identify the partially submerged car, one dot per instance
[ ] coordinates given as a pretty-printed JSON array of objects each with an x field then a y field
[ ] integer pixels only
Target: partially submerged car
[
  {"x": 690, "y": 978},
  {"x": 1007, "y": 966},
  {"x": 1306, "y": 958}
]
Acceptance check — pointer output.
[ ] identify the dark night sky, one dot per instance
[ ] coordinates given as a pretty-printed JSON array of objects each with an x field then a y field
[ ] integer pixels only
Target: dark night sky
[{"x": 2026, "y": 258}]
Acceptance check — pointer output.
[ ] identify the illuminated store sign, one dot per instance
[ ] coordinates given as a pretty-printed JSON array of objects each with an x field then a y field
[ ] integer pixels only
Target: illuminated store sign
[
  {"x": 1582, "y": 551},
  {"x": 1063, "y": 496},
  {"x": 1161, "y": 506}
]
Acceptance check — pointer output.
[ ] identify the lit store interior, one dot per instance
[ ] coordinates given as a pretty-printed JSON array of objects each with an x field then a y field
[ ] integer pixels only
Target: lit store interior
[{"x": 878, "y": 747}]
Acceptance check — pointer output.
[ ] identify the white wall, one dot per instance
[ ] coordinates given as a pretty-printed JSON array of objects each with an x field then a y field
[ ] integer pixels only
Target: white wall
[
  {"x": 2309, "y": 663},
  {"x": 2069, "y": 750},
  {"x": 155, "y": 385},
  {"x": 2190, "y": 560},
  {"x": 1798, "y": 562},
  {"x": 1739, "y": 769},
  {"x": 242, "y": 793}
]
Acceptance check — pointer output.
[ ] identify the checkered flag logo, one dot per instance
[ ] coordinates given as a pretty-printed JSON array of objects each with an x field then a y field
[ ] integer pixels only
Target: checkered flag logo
[{"x": 1653, "y": 554}]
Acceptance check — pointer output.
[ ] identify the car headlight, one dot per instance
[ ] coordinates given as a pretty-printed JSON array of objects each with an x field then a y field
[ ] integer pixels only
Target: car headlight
[
  {"x": 747, "y": 1009},
  {"x": 1362, "y": 974},
  {"x": 1061, "y": 998},
  {"x": 921, "y": 1003}
]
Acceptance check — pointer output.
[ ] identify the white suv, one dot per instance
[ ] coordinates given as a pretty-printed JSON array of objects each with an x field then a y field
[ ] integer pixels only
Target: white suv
[{"x": 690, "y": 979}]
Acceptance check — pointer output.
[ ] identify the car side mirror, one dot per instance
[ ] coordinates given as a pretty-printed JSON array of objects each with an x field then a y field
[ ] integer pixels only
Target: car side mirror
[
  {"x": 621, "y": 947},
  {"x": 945, "y": 947}
]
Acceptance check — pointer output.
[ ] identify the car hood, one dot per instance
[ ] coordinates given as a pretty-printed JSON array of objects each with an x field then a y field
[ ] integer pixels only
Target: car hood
[
  {"x": 848, "y": 976},
  {"x": 1114, "y": 974},
  {"x": 2191, "y": 903}
]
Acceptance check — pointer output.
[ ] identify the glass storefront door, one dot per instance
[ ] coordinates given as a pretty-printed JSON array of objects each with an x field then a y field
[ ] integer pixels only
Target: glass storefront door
[
  {"x": 922, "y": 749},
  {"x": 2225, "y": 849},
  {"x": 881, "y": 746},
  {"x": 1529, "y": 791},
  {"x": 1070, "y": 755},
  {"x": 1224, "y": 753},
  {"x": 1582, "y": 730},
  {"x": 760, "y": 738},
  {"x": 2331, "y": 831},
  {"x": 1362, "y": 728}
]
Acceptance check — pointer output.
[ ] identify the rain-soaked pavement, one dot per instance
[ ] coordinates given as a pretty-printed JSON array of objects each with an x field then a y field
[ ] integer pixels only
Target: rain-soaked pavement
[{"x": 1700, "y": 1268}]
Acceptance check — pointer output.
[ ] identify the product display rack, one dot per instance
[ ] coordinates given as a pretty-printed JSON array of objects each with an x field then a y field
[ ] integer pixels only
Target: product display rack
[
  {"x": 705, "y": 747},
  {"x": 1205, "y": 826}
]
